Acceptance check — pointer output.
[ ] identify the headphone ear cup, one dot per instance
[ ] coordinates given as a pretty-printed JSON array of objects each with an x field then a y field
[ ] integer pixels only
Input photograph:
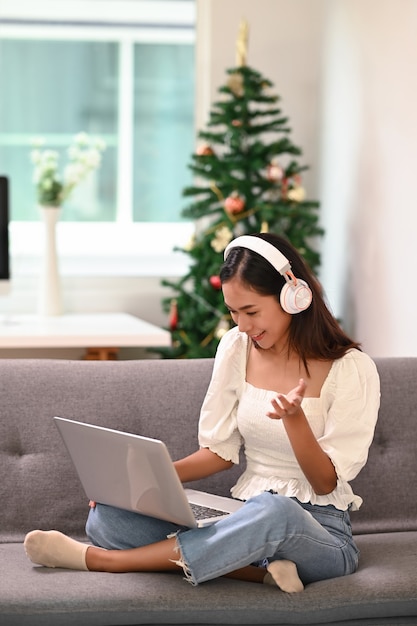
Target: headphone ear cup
[{"x": 295, "y": 298}]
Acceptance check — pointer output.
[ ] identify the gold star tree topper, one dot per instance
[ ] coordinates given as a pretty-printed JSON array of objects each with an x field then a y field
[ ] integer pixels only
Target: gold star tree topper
[{"x": 242, "y": 43}]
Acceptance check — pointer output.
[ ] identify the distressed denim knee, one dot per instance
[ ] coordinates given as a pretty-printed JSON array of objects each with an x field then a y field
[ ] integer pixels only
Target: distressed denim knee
[
  {"x": 268, "y": 526},
  {"x": 249, "y": 535}
]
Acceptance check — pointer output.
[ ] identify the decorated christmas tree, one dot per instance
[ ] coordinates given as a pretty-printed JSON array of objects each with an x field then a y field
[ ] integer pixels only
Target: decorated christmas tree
[{"x": 247, "y": 179}]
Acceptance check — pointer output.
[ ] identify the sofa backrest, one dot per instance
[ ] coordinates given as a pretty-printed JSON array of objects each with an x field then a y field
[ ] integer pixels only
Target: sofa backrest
[
  {"x": 162, "y": 398},
  {"x": 39, "y": 487},
  {"x": 388, "y": 481}
]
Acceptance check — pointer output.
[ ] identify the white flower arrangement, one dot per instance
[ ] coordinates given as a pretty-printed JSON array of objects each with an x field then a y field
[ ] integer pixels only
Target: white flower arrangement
[{"x": 84, "y": 155}]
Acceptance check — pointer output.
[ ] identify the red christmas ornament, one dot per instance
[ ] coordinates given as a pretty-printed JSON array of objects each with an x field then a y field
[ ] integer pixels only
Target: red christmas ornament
[
  {"x": 173, "y": 315},
  {"x": 204, "y": 150},
  {"x": 215, "y": 282},
  {"x": 234, "y": 204}
]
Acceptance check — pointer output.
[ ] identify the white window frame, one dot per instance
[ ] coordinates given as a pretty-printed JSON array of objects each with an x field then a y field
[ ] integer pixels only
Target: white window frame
[{"x": 123, "y": 247}]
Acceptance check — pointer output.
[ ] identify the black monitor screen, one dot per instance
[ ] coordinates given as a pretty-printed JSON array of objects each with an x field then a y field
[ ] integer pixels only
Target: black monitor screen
[{"x": 4, "y": 228}]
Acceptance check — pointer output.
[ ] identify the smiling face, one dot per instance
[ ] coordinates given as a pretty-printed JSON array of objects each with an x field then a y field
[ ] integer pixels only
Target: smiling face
[{"x": 260, "y": 317}]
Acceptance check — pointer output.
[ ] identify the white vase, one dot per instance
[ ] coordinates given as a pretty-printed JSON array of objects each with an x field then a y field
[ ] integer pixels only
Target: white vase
[{"x": 49, "y": 283}]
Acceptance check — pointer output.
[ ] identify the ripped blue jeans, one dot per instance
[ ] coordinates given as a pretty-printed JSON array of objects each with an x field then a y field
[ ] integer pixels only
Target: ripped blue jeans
[{"x": 318, "y": 539}]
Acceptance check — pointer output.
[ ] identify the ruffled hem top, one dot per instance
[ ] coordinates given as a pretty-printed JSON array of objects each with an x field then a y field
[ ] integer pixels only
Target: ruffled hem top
[{"x": 342, "y": 419}]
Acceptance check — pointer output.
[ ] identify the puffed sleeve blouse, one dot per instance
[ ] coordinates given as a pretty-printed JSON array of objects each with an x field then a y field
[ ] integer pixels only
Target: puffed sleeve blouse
[{"x": 342, "y": 419}]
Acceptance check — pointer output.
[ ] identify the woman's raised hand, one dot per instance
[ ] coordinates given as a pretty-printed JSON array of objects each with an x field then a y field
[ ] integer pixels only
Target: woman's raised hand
[{"x": 287, "y": 404}]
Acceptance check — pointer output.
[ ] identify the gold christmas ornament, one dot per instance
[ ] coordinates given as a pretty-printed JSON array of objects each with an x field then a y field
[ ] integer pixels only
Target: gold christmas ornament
[
  {"x": 190, "y": 243},
  {"x": 221, "y": 329},
  {"x": 222, "y": 237},
  {"x": 296, "y": 194},
  {"x": 235, "y": 84}
]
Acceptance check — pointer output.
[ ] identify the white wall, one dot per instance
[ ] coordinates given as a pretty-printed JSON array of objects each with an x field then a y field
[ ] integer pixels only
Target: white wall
[
  {"x": 345, "y": 70},
  {"x": 371, "y": 106},
  {"x": 284, "y": 45}
]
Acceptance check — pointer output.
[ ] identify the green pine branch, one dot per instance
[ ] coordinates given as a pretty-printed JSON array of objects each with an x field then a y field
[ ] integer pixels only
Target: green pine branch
[{"x": 247, "y": 178}]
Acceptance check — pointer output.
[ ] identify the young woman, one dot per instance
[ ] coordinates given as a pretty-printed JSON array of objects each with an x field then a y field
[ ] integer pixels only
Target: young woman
[{"x": 302, "y": 398}]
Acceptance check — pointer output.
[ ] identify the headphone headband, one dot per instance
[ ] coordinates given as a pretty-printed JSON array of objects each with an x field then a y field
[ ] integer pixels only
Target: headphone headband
[
  {"x": 264, "y": 248},
  {"x": 296, "y": 295}
]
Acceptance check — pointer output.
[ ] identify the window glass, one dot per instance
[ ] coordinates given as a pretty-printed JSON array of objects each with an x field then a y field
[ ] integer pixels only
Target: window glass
[{"x": 55, "y": 89}]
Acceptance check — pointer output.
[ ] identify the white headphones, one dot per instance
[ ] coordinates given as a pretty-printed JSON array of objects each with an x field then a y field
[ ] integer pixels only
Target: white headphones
[{"x": 295, "y": 295}]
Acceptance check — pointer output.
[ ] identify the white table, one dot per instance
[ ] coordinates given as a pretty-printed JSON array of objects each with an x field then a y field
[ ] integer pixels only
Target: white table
[{"x": 102, "y": 334}]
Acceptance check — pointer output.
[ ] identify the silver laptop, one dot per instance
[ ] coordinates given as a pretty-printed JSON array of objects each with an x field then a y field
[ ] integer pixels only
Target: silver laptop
[{"x": 137, "y": 473}]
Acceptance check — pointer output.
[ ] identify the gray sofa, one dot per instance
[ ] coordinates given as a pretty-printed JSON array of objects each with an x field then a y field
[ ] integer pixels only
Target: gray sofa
[{"x": 161, "y": 398}]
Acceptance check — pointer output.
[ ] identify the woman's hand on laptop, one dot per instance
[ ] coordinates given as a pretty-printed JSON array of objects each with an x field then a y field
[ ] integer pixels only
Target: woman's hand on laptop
[{"x": 92, "y": 504}]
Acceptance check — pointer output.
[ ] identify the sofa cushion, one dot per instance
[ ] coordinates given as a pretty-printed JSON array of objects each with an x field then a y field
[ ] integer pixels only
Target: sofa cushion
[{"x": 383, "y": 588}]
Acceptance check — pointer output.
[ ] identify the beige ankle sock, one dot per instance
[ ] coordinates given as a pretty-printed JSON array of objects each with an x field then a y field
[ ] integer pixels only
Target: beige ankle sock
[
  {"x": 54, "y": 549},
  {"x": 284, "y": 574}
]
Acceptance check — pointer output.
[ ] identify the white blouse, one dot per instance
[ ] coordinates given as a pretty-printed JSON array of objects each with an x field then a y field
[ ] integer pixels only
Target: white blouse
[{"x": 343, "y": 420}]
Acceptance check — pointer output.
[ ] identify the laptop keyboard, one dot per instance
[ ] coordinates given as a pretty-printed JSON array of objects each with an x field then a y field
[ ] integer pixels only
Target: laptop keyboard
[{"x": 202, "y": 512}]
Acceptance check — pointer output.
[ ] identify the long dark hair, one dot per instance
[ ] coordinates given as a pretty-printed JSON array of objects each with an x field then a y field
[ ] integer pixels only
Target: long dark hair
[{"x": 314, "y": 333}]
